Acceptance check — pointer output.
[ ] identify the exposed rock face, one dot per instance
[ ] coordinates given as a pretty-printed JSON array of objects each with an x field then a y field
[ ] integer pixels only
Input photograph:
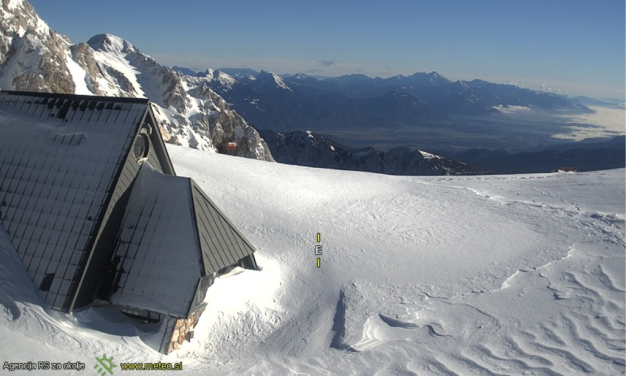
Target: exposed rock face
[
  {"x": 83, "y": 55},
  {"x": 310, "y": 149},
  {"x": 35, "y": 58},
  {"x": 27, "y": 49},
  {"x": 182, "y": 330}
]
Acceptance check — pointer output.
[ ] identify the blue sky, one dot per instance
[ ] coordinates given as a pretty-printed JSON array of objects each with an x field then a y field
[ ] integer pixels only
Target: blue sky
[{"x": 573, "y": 46}]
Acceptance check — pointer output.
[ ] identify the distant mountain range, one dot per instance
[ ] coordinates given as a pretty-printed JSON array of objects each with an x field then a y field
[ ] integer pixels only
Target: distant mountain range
[
  {"x": 314, "y": 150},
  {"x": 211, "y": 109},
  {"x": 604, "y": 102},
  {"x": 584, "y": 155},
  {"x": 472, "y": 126},
  {"x": 301, "y": 102}
]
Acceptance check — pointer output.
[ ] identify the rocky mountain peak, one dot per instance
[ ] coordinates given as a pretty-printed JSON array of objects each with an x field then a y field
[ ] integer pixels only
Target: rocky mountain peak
[
  {"x": 301, "y": 76},
  {"x": 269, "y": 78},
  {"x": 110, "y": 43},
  {"x": 224, "y": 79},
  {"x": 459, "y": 84},
  {"x": 206, "y": 73},
  {"x": 435, "y": 77},
  {"x": 35, "y": 58}
]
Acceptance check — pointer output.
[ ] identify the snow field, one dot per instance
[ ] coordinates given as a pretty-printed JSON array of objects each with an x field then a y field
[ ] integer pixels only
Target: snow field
[
  {"x": 481, "y": 275},
  {"x": 428, "y": 275}
]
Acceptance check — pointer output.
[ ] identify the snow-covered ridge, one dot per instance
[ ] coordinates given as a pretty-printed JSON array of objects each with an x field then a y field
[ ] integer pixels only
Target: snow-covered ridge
[
  {"x": 462, "y": 84},
  {"x": 280, "y": 83},
  {"x": 311, "y": 149},
  {"x": 32, "y": 56},
  {"x": 110, "y": 43},
  {"x": 276, "y": 80},
  {"x": 18, "y": 17},
  {"x": 511, "y": 109},
  {"x": 429, "y": 155},
  {"x": 225, "y": 80},
  {"x": 189, "y": 112}
]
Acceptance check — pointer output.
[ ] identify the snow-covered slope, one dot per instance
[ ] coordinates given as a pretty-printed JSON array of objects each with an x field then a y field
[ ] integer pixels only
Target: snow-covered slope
[
  {"x": 28, "y": 48},
  {"x": 34, "y": 57},
  {"x": 488, "y": 275},
  {"x": 314, "y": 150}
]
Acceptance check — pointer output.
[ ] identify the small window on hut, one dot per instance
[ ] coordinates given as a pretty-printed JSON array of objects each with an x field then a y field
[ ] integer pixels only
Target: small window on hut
[{"x": 141, "y": 147}]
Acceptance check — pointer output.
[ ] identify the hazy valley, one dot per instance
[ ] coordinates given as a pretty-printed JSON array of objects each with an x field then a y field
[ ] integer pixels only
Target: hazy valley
[{"x": 475, "y": 122}]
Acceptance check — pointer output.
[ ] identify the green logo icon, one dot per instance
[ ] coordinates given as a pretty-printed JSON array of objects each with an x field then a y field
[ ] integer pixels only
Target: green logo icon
[{"x": 104, "y": 365}]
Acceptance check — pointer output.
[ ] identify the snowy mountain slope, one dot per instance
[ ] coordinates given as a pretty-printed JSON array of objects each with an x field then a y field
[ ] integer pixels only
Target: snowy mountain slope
[
  {"x": 313, "y": 150},
  {"x": 522, "y": 274},
  {"x": 189, "y": 111},
  {"x": 27, "y": 48},
  {"x": 35, "y": 58}
]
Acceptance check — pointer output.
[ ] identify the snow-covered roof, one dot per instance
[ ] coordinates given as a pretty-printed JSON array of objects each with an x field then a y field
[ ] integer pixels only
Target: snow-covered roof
[
  {"x": 70, "y": 194},
  {"x": 172, "y": 236},
  {"x": 60, "y": 157},
  {"x": 158, "y": 249}
]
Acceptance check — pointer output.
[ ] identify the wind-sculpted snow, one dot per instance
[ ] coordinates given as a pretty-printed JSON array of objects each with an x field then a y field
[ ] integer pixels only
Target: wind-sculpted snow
[
  {"x": 576, "y": 328},
  {"x": 31, "y": 333},
  {"x": 482, "y": 275},
  {"x": 451, "y": 276}
]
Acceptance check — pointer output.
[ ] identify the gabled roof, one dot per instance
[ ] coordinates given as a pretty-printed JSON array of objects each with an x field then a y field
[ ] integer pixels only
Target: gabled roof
[
  {"x": 172, "y": 236},
  {"x": 69, "y": 199},
  {"x": 159, "y": 259},
  {"x": 60, "y": 157},
  {"x": 221, "y": 242}
]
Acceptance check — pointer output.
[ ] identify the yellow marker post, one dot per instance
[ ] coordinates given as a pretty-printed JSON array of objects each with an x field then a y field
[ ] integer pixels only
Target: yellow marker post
[{"x": 318, "y": 248}]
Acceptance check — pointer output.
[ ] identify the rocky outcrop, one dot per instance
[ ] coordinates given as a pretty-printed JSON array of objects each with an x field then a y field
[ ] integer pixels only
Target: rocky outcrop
[
  {"x": 310, "y": 149},
  {"x": 181, "y": 329},
  {"x": 189, "y": 112},
  {"x": 83, "y": 55},
  {"x": 34, "y": 57}
]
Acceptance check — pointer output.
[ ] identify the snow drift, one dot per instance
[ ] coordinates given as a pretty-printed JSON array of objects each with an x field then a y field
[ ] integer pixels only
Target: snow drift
[{"x": 496, "y": 275}]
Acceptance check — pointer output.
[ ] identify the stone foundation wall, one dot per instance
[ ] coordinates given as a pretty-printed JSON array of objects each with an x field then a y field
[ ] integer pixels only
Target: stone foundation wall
[{"x": 183, "y": 330}]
